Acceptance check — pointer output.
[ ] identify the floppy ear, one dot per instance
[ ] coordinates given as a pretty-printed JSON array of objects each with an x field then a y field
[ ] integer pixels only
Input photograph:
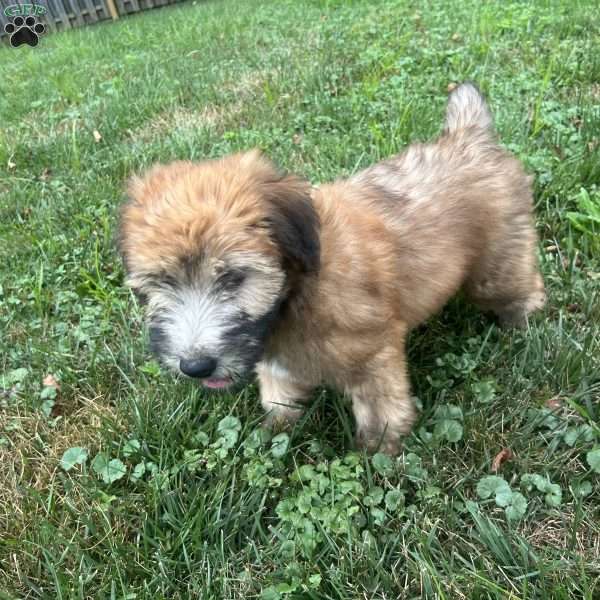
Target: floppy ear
[{"x": 293, "y": 222}]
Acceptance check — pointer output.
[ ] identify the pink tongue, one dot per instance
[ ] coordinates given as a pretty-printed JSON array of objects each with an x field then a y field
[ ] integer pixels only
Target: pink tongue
[{"x": 216, "y": 383}]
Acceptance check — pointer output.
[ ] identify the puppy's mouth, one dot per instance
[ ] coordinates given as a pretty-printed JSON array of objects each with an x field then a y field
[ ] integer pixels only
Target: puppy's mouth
[{"x": 215, "y": 383}]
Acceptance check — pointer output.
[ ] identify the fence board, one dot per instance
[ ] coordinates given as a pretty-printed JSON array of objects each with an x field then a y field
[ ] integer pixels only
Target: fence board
[
  {"x": 3, "y": 18},
  {"x": 60, "y": 12},
  {"x": 65, "y": 14},
  {"x": 75, "y": 13},
  {"x": 89, "y": 12}
]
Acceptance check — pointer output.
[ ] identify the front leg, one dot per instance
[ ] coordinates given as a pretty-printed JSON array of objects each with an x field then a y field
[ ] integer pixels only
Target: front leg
[
  {"x": 382, "y": 406},
  {"x": 281, "y": 395}
]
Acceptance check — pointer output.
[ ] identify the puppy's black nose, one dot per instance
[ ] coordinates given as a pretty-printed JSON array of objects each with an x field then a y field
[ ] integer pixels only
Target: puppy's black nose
[{"x": 198, "y": 367}]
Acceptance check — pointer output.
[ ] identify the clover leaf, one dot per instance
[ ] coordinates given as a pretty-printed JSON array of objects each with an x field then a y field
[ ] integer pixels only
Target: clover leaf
[
  {"x": 108, "y": 470},
  {"x": 553, "y": 495},
  {"x": 582, "y": 489},
  {"x": 517, "y": 508},
  {"x": 131, "y": 447},
  {"x": 383, "y": 464},
  {"x": 393, "y": 499},
  {"x": 491, "y": 486},
  {"x": 73, "y": 456},
  {"x": 280, "y": 444},
  {"x": 593, "y": 459}
]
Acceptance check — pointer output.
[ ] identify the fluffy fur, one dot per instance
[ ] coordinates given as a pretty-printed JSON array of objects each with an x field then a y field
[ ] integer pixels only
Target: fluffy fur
[{"x": 303, "y": 286}]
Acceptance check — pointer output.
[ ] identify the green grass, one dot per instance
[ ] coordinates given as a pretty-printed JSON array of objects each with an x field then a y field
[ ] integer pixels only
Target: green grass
[{"x": 210, "y": 508}]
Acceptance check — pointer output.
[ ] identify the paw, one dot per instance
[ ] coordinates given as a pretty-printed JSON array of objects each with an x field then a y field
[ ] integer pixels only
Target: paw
[
  {"x": 516, "y": 313},
  {"x": 24, "y": 31},
  {"x": 378, "y": 441},
  {"x": 513, "y": 319},
  {"x": 280, "y": 420}
]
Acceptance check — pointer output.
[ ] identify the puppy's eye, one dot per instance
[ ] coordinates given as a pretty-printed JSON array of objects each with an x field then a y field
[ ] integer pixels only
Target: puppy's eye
[{"x": 231, "y": 280}]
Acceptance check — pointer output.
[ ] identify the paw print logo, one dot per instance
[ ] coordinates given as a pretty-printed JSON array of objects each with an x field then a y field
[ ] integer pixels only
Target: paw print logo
[{"x": 24, "y": 31}]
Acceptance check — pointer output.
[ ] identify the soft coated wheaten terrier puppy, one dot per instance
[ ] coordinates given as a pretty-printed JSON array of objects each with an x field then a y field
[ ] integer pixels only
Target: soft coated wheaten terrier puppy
[{"x": 245, "y": 269}]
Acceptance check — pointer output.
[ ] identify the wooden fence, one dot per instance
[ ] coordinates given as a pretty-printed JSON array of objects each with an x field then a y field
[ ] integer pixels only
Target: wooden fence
[{"x": 65, "y": 14}]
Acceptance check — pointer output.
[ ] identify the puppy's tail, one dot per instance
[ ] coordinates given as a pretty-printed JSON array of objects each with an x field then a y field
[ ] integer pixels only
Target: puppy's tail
[{"x": 467, "y": 108}]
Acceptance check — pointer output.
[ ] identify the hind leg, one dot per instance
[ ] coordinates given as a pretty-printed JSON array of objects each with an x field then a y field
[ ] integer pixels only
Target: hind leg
[{"x": 507, "y": 280}]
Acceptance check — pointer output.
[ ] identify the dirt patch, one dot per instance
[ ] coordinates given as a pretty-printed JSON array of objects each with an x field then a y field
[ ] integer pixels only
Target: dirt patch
[
  {"x": 551, "y": 532},
  {"x": 32, "y": 446},
  {"x": 179, "y": 121}
]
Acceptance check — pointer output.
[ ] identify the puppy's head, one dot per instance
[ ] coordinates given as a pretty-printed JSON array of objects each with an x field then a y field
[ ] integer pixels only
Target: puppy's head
[{"x": 213, "y": 249}]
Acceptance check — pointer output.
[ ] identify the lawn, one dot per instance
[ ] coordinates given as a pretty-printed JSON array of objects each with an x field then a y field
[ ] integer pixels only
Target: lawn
[{"x": 117, "y": 481}]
